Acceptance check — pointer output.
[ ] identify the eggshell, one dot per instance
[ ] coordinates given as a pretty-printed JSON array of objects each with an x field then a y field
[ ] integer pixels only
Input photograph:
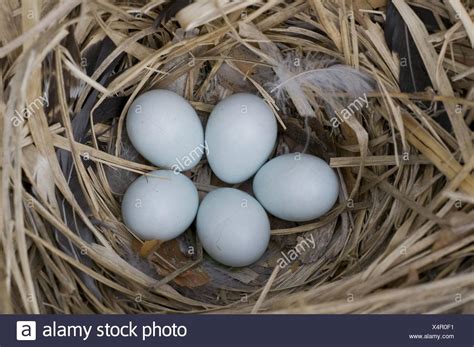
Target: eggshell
[
  {"x": 240, "y": 134},
  {"x": 160, "y": 206},
  {"x": 233, "y": 227},
  {"x": 165, "y": 129},
  {"x": 296, "y": 187}
]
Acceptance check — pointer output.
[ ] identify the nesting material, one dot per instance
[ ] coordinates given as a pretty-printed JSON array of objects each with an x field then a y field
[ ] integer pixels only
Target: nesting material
[
  {"x": 203, "y": 11},
  {"x": 398, "y": 239}
]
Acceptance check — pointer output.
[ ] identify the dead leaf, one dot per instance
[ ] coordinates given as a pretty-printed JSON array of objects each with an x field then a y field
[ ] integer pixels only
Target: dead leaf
[{"x": 170, "y": 251}]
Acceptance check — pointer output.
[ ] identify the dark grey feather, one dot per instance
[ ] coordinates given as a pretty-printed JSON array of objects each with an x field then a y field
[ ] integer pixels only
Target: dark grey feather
[
  {"x": 80, "y": 126},
  {"x": 119, "y": 179},
  {"x": 413, "y": 76},
  {"x": 170, "y": 10},
  {"x": 110, "y": 108}
]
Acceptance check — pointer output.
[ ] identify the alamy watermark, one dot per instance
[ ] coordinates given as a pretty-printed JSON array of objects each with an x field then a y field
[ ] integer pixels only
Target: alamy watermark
[
  {"x": 29, "y": 110},
  {"x": 349, "y": 111},
  {"x": 301, "y": 247},
  {"x": 186, "y": 161}
]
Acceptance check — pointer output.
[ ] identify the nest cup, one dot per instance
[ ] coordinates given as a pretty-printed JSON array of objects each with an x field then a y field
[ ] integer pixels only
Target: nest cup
[{"x": 399, "y": 239}]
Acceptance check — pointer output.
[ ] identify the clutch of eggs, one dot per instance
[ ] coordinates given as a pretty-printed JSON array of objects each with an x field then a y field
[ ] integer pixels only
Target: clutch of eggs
[{"x": 240, "y": 136}]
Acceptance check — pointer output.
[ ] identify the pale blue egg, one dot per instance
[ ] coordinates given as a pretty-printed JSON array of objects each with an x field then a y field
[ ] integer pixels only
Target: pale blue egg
[
  {"x": 165, "y": 129},
  {"x": 160, "y": 205},
  {"x": 240, "y": 135},
  {"x": 296, "y": 187},
  {"x": 233, "y": 227}
]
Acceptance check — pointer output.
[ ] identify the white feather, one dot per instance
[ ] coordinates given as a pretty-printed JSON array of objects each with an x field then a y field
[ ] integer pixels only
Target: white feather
[{"x": 315, "y": 72}]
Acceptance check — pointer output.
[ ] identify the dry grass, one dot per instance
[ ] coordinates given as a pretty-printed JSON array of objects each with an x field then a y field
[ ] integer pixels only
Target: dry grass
[{"x": 400, "y": 239}]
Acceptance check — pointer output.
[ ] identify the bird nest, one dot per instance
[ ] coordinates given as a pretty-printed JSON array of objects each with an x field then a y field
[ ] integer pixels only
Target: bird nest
[{"x": 398, "y": 240}]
